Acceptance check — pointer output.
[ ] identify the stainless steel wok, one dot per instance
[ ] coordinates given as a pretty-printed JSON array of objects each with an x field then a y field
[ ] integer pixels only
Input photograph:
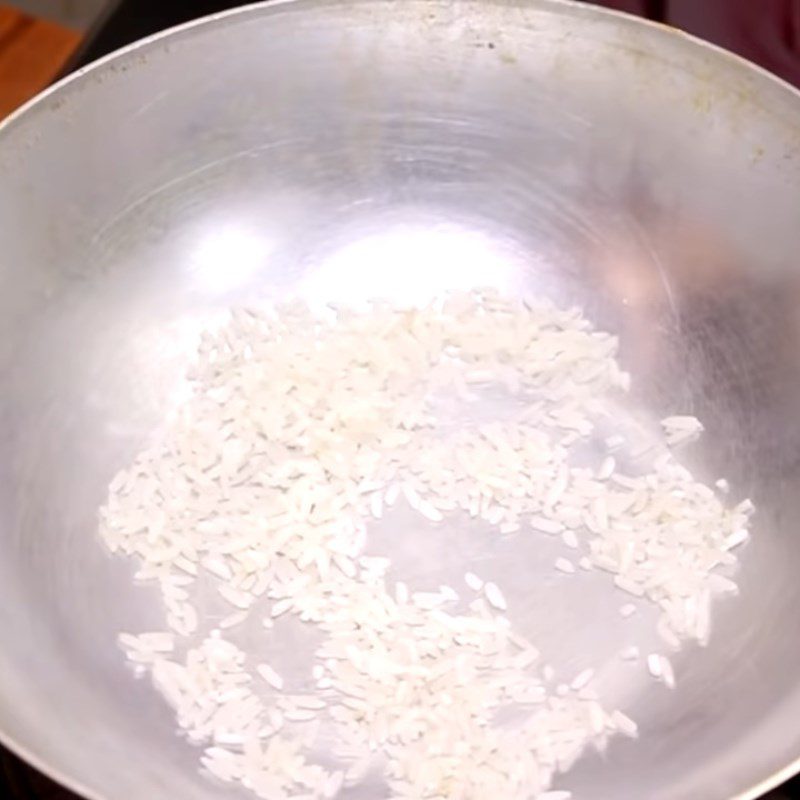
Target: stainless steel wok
[{"x": 349, "y": 148}]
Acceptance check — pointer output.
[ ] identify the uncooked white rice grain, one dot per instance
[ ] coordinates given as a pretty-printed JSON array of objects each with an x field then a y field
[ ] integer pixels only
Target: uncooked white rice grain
[
  {"x": 667, "y": 634},
  {"x": 299, "y": 715},
  {"x": 190, "y": 618},
  {"x": 745, "y": 507},
  {"x": 702, "y": 629},
  {"x": 582, "y": 679},
  {"x": 654, "y": 666},
  {"x": 236, "y": 597},
  {"x": 570, "y": 538},
  {"x": 217, "y": 567},
  {"x": 129, "y": 642},
  {"x": 411, "y": 495},
  {"x": 281, "y": 607},
  {"x": 333, "y": 784},
  {"x": 509, "y": 527},
  {"x": 565, "y": 565},
  {"x": 232, "y": 620},
  {"x": 736, "y": 538},
  {"x": 392, "y": 493},
  {"x": 495, "y": 596},
  {"x": 473, "y": 581},
  {"x": 629, "y": 586},
  {"x": 606, "y": 469},
  {"x": 448, "y": 593},
  {"x": 401, "y": 593},
  {"x": 218, "y": 769},
  {"x": 719, "y": 584},
  {"x": 270, "y": 676},
  {"x": 545, "y": 525},
  {"x": 614, "y": 442},
  {"x": 429, "y": 511},
  {"x": 623, "y": 723},
  {"x": 681, "y": 429},
  {"x": 376, "y": 504}
]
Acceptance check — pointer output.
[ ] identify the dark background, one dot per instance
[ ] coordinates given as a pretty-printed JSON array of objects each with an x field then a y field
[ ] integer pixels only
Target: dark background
[{"x": 764, "y": 31}]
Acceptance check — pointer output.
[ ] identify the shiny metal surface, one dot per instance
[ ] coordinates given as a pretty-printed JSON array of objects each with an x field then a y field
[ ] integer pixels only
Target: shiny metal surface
[{"x": 364, "y": 147}]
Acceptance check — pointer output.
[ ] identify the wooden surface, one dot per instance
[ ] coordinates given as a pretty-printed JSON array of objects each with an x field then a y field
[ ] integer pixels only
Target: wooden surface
[{"x": 32, "y": 51}]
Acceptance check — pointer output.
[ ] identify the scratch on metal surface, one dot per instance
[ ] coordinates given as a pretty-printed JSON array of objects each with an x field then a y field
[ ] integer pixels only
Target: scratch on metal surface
[
  {"x": 144, "y": 108},
  {"x": 665, "y": 282},
  {"x": 145, "y": 198}
]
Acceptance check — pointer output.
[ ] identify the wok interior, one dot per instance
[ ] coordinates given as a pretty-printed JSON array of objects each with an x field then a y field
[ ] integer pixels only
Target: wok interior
[{"x": 345, "y": 150}]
